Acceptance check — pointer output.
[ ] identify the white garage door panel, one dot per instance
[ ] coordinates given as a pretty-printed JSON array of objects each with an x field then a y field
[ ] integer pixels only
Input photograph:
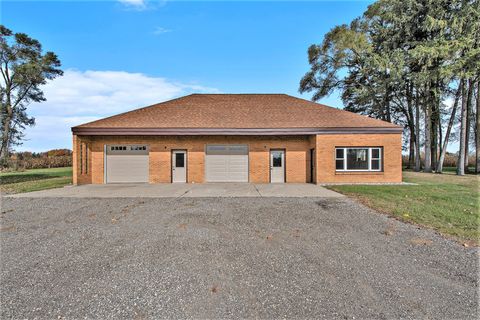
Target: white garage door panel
[
  {"x": 126, "y": 166},
  {"x": 227, "y": 163}
]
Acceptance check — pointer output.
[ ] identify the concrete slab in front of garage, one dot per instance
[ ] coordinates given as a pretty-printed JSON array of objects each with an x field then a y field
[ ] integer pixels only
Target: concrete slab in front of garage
[{"x": 184, "y": 190}]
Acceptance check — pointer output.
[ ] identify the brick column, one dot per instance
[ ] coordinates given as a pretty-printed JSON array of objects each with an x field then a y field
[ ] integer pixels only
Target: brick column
[{"x": 74, "y": 160}]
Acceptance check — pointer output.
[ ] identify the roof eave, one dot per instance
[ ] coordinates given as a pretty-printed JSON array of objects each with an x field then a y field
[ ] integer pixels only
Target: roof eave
[{"x": 90, "y": 131}]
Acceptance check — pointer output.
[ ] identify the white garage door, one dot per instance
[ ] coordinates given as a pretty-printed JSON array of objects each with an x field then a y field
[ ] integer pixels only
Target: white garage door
[
  {"x": 126, "y": 163},
  {"x": 227, "y": 163}
]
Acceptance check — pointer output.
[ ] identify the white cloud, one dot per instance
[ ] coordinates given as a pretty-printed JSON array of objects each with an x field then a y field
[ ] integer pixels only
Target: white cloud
[
  {"x": 80, "y": 97},
  {"x": 142, "y": 5},
  {"x": 138, "y": 4},
  {"x": 160, "y": 30}
]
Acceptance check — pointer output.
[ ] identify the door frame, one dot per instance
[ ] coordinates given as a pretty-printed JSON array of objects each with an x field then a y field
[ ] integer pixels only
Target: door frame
[
  {"x": 312, "y": 165},
  {"x": 284, "y": 164},
  {"x": 172, "y": 152}
]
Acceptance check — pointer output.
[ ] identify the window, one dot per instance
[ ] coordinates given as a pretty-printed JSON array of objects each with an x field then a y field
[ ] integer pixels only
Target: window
[
  {"x": 375, "y": 159},
  {"x": 180, "y": 160},
  {"x": 277, "y": 159},
  {"x": 358, "y": 159},
  {"x": 118, "y": 148},
  {"x": 128, "y": 148},
  {"x": 339, "y": 159}
]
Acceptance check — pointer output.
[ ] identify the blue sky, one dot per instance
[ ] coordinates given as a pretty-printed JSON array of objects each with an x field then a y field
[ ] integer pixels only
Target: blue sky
[{"x": 120, "y": 55}]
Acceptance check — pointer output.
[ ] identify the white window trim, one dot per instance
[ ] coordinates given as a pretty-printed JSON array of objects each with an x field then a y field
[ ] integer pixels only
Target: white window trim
[{"x": 369, "y": 160}]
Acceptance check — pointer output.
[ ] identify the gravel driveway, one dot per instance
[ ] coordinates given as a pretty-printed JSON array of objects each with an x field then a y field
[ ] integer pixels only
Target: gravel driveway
[{"x": 226, "y": 258}]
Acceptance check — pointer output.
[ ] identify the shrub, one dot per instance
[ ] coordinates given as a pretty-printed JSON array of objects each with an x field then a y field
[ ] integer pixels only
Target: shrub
[{"x": 29, "y": 160}]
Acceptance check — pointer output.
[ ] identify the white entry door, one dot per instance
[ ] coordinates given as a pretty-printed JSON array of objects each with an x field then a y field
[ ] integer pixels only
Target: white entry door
[
  {"x": 179, "y": 166},
  {"x": 277, "y": 166}
]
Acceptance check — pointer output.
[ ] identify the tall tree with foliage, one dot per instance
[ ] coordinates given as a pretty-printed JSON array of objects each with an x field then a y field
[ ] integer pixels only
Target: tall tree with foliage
[
  {"x": 400, "y": 62},
  {"x": 24, "y": 69}
]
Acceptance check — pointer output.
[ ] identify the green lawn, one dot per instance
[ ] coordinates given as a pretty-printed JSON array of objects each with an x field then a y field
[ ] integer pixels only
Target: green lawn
[
  {"x": 35, "y": 179},
  {"x": 445, "y": 202}
]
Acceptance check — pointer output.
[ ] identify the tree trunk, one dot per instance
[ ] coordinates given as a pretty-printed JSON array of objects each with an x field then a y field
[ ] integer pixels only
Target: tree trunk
[
  {"x": 434, "y": 134},
  {"x": 5, "y": 147},
  {"x": 411, "y": 150},
  {"x": 418, "y": 163},
  {"x": 436, "y": 123},
  {"x": 477, "y": 132},
  {"x": 440, "y": 139},
  {"x": 411, "y": 127},
  {"x": 5, "y": 138},
  {"x": 386, "y": 104},
  {"x": 463, "y": 123},
  {"x": 471, "y": 88},
  {"x": 428, "y": 136},
  {"x": 449, "y": 129}
]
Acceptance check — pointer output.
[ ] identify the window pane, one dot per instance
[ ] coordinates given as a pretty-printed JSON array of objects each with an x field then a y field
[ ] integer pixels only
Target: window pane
[
  {"x": 357, "y": 159},
  {"x": 339, "y": 165},
  {"x": 339, "y": 153},
  {"x": 375, "y": 153},
  {"x": 375, "y": 164},
  {"x": 179, "y": 160},
  {"x": 277, "y": 159}
]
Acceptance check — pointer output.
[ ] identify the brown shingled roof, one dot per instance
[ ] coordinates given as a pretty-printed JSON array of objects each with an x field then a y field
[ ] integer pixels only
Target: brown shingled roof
[{"x": 228, "y": 111}]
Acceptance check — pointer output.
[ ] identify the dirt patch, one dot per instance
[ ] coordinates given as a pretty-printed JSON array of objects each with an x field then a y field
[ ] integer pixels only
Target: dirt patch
[
  {"x": 421, "y": 241},
  {"x": 325, "y": 204},
  {"x": 10, "y": 228},
  {"x": 182, "y": 226},
  {"x": 390, "y": 230}
]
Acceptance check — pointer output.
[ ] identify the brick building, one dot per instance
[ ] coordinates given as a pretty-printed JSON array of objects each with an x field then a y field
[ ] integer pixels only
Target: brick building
[{"x": 258, "y": 138}]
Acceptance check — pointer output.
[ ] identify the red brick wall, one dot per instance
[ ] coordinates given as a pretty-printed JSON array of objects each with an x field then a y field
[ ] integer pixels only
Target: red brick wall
[
  {"x": 297, "y": 156},
  {"x": 296, "y": 147},
  {"x": 392, "y": 157},
  {"x": 82, "y": 160}
]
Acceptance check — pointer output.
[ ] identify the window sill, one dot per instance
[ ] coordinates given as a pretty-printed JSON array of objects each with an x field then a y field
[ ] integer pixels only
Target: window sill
[{"x": 359, "y": 172}]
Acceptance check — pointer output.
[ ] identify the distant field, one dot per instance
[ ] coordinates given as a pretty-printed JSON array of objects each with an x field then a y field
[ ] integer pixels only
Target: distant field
[
  {"x": 35, "y": 179},
  {"x": 445, "y": 202}
]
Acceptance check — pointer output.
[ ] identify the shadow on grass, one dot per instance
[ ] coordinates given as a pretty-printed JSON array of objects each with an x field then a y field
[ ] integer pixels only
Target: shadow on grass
[{"x": 22, "y": 177}]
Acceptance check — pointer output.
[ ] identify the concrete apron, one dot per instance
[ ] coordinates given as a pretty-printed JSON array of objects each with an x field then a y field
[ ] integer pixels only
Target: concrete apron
[{"x": 175, "y": 190}]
